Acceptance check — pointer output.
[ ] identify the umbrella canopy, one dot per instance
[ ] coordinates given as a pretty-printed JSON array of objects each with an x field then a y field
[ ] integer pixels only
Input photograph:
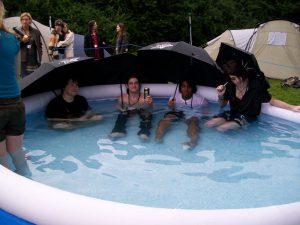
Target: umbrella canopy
[
  {"x": 228, "y": 52},
  {"x": 172, "y": 61},
  {"x": 51, "y": 76}
]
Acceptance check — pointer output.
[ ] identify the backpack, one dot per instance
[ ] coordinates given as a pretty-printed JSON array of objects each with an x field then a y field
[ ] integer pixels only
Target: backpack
[{"x": 291, "y": 82}]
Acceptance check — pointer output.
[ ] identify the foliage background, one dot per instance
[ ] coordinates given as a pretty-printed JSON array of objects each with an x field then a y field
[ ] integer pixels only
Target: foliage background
[{"x": 150, "y": 21}]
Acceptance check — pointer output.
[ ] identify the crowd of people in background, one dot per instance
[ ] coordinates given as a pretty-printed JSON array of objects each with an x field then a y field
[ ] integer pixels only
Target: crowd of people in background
[{"x": 61, "y": 43}]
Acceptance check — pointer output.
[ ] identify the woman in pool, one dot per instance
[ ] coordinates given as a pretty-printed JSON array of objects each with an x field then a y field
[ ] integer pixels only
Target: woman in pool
[
  {"x": 245, "y": 97},
  {"x": 182, "y": 105},
  {"x": 131, "y": 103}
]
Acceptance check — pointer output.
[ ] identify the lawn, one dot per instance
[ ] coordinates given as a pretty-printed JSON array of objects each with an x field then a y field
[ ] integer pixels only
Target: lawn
[{"x": 287, "y": 94}]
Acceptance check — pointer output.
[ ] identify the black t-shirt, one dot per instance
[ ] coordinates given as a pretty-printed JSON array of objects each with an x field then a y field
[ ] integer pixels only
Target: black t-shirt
[
  {"x": 250, "y": 104},
  {"x": 59, "y": 108}
]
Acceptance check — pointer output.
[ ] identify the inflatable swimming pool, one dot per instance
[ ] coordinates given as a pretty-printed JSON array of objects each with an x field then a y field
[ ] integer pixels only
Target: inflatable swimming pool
[{"x": 42, "y": 204}]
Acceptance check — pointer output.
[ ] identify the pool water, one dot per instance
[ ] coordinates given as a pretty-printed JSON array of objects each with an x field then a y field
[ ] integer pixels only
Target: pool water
[{"x": 255, "y": 166}]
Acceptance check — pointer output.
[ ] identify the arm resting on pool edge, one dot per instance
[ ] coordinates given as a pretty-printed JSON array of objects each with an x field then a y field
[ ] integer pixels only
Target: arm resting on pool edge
[{"x": 284, "y": 105}]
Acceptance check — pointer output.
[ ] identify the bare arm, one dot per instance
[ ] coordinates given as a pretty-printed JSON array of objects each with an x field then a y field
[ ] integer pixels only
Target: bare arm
[
  {"x": 68, "y": 40},
  {"x": 221, "y": 91},
  {"x": 280, "y": 104}
]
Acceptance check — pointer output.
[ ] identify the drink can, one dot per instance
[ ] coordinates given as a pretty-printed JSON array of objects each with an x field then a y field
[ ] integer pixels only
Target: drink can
[{"x": 146, "y": 92}]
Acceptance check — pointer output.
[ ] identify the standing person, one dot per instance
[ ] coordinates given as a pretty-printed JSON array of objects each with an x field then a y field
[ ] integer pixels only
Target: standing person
[
  {"x": 68, "y": 42},
  {"x": 244, "y": 95},
  {"x": 12, "y": 110},
  {"x": 132, "y": 103},
  {"x": 31, "y": 45},
  {"x": 70, "y": 110},
  {"x": 94, "y": 42},
  {"x": 185, "y": 105},
  {"x": 57, "y": 35},
  {"x": 121, "y": 43}
]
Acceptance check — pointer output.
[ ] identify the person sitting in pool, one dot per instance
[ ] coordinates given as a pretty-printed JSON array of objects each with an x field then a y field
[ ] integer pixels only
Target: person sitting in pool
[
  {"x": 69, "y": 110},
  {"x": 245, "y": 97},
  {"x": 184, "y": 105},
  {"x": 131, "y": 103}
]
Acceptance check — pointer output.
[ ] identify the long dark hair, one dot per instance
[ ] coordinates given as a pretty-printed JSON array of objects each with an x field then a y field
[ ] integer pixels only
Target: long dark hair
[
  {"x": 235, "y": 68},
  {"x": 91, "y": 24},
  {"x": 122, "y": 29}
]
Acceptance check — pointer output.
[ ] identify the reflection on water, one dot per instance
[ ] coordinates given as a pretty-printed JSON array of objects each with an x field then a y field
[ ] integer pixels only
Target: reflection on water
[{"x": 252, "y": 167}]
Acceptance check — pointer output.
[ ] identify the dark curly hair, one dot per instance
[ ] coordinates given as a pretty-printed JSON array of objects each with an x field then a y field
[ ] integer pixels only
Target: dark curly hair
[{"x": 190, "y": 83}]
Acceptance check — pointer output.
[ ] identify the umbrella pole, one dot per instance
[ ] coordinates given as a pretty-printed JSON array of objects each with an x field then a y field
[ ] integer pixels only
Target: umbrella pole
[
  {"x": 175, "y": 90},
  {"x": 121, "y": 89}
]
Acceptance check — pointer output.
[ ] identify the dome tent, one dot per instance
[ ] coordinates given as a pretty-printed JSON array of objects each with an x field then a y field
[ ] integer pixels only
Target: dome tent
[{"x": 275, "y": 44}]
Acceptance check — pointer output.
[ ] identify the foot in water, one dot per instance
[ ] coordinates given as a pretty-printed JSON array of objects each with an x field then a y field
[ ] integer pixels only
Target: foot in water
[
  {"x": 62, "y": 125},
  {"x": 115, "y": 135},
  {"x": 144, "y": 137},
  {"x": 188, "y": 145}
]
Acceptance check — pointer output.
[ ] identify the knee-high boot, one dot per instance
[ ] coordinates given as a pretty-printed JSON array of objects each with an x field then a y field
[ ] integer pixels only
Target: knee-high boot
[
  {"x": 120, "y": 125},
  {"x": 145, "y": 124}
]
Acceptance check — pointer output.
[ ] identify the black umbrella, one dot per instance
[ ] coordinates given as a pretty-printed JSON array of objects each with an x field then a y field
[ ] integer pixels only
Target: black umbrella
[
  {"x": 51, "y": 76},
  {"x": 172, "y": 61},
  {"x": 228, "y": 52}
]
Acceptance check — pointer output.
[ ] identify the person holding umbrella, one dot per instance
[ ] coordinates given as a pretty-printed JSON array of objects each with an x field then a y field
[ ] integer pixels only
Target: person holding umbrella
[
  {"x": 184, "y": 105},
  {"x": 70, "y": 110},
  {"x": 244, "y": 95},
  {"x": 131, "y": 103}
]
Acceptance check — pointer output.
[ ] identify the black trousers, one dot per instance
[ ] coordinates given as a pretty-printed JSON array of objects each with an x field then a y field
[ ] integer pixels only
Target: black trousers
[{"x": 145, "y": 122}]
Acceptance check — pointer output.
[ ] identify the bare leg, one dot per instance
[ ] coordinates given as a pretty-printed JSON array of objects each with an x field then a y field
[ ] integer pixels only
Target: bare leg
[
  {"x": 215, "y": 122},
  {"x": 193, "y": 130},
  {"x": 163, "y": 125},
  {"x": 14, "y": 147},
  {"x": 231, "y": 125},
  {"x": 3, "y": 154}
]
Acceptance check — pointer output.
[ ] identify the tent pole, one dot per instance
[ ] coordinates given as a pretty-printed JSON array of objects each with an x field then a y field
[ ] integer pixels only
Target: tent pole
[{"x": 190, "y": 24}]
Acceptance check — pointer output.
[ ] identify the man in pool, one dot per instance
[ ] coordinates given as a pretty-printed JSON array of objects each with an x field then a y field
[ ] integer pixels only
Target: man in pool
[
  {"x": 133, "y": 102},
  {"x": 70, "y": 110},
  {"x": 184, "y": 105}
]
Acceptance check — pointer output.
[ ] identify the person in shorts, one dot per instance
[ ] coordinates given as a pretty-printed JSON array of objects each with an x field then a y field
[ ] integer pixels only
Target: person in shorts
[
  {"x": 244, "y": 96},
  {"x": 12, "y": 109},
  {"x": 184, "y": 106}
]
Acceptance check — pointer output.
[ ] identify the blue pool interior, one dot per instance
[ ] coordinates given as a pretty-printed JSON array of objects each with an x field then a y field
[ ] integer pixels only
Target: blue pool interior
[{"x": 255, "y": 166}]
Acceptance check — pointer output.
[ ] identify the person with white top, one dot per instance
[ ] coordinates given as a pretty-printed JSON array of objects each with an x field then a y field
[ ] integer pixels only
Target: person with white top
[
  {"x": 68, "y": 42},
  {"x": 184, "y": 105}
]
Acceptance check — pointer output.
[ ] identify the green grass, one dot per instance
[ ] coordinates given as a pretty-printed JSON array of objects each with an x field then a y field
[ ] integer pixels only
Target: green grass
[{"x": 286, "y": 94}]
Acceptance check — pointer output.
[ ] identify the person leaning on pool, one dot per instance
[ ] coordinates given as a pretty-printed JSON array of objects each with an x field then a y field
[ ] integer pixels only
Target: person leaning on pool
[
  {"x": 131, "y": 103},
  {"x": 12, "y": 109},
  {"x": 69, "y": 110},
  {"x": 185, "y": 105}
]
